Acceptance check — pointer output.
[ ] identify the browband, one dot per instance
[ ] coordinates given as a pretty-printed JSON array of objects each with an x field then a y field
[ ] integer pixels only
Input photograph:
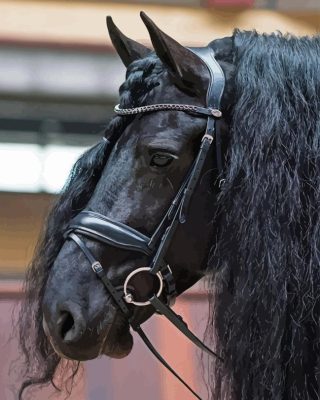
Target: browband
[{"x": 208, "y": 112}]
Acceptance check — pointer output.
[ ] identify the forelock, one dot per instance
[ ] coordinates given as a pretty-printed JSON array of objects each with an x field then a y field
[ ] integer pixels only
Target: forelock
[{"x": 141, "y": 78}]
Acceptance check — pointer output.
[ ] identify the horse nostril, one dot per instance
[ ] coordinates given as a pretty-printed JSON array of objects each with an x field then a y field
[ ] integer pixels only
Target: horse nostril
[
  {"x": 66, "y": 324},
  {"x": 71, "y": 324}
]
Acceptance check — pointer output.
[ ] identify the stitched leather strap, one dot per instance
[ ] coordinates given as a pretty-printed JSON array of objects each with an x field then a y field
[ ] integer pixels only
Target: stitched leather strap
[
  {"x": 111, "y": 232},
  {"x": 214, "y": 95}
]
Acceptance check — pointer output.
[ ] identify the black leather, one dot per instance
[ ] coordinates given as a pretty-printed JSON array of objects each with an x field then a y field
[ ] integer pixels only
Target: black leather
[
  {"x": 150, "y": 346},
  {"x": 214, "y": 95},
  {"x": 178, "y": 322},
  {"x": 102, "y": 274},
  {"x": 217, "y": 80},
  {"x": 112, "y": 232},
  {"x": 194, "y": 178}
]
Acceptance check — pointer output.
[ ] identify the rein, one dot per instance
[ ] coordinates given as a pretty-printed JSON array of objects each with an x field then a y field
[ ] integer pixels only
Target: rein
[{"x": 105, "y": 230}]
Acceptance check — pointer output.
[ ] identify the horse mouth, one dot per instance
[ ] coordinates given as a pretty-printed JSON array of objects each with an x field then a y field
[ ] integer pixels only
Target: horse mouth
[{"x": 117, "y": 342}]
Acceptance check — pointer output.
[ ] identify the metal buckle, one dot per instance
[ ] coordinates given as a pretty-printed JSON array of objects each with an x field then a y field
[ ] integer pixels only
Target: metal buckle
[
  {"x": 97, "y": 267},
  {"x": 207, "y": 136},
  {"x": 128, "y": 297}
]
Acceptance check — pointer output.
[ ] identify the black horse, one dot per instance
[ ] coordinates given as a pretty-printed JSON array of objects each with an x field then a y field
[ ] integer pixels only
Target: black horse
[{"x": 253, "y": 229}]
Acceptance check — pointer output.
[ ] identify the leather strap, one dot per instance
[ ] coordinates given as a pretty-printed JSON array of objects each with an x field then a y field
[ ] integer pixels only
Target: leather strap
[
  {"x": 111, "y": 232},
  {"x": 163, "y": 247},
  {"x": 98, "y": 269},
  {"x": 162, "y": 360},
  {"x": 169, "y": 216},
  {"x": 217, "y": 80},
  {"x": 83, "y": 247},
  {"x": 214, "y": 94},
  {"x": 117, "y": 296},
  {"x": 191, "y": 109},
  {"x": 178, "y": 322},
  {"x": 194, "y": 178}
]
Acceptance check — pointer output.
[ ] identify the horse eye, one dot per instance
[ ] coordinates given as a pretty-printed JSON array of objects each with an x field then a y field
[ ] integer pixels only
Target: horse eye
[{"x": 161, "y": 160}]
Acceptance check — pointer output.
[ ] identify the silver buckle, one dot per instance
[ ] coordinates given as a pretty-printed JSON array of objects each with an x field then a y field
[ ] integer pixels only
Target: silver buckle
[
  {"x": 97, "y": 267},
  {"x": 207, "y": 136}
]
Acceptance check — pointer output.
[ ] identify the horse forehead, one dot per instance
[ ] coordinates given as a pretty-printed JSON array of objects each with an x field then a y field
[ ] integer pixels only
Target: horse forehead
[
  {"x": 163, "y": 121},
  {"x": 171, "y": 126},
  {"x": 168, "y": 92},
  {"x": 172, "y": 129}
]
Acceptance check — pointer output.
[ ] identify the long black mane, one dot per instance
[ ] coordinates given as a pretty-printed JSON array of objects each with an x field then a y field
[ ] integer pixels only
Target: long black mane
[
  {"x": 41, "y": 362},
  {"x": 265, "y": 268}
]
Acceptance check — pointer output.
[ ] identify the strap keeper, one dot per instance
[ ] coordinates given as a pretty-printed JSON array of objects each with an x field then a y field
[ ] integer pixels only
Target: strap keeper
[
  {"x": 216, "y": 113},
  {"x": 66, "y": 234},
  {"x": 208, "y": 137}
]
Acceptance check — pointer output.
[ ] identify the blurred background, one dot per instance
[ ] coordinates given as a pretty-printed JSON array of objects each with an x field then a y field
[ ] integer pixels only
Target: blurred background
[{"x": 59, "y": 79}]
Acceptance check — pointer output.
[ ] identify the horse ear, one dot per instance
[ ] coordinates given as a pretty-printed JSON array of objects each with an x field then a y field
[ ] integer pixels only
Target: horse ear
[
  {"x": 187, "y": 69},
  {"x": 129, "y": 50}
]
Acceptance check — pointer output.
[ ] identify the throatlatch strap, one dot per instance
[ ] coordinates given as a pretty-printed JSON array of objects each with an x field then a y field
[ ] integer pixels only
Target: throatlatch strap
[{"x": 162, "y": 360}]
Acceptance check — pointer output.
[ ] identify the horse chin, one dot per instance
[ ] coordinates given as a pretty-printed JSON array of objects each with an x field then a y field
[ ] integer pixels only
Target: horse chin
[
  {"x": 120, "y": 347},
  {"x": 118, "y": 342}
]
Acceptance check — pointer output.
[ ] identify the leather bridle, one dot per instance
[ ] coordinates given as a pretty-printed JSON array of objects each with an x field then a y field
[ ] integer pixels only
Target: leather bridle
[{"x": 105, "y": 230}]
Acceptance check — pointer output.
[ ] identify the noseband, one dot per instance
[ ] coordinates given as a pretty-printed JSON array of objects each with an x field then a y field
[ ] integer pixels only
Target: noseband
[{"x": 158, "y": 274}]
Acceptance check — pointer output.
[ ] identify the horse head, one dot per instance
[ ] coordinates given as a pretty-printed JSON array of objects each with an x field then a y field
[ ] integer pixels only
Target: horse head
[{"x": 148, "y": 162}]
